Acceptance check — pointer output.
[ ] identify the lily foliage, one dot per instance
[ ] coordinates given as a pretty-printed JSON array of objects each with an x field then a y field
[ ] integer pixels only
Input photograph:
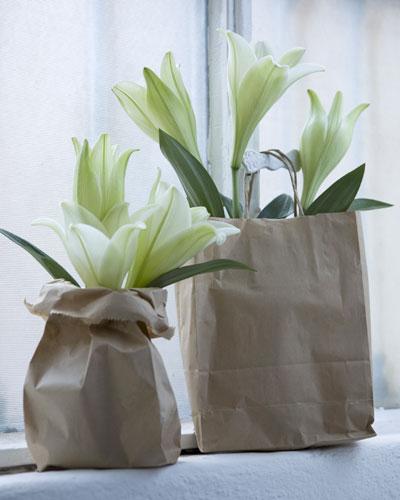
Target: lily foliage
[{"x": 256, "y": 80}]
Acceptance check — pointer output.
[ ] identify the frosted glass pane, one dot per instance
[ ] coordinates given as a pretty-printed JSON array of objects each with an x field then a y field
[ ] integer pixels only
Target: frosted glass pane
[
  {"x": 58, "y": 62},
  {"x": 358, "y": 43}
]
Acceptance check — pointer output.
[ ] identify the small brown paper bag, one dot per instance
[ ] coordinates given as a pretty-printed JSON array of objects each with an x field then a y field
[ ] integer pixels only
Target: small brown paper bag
[
  {"x": 96, "y": 393},
  {"x": 279, "y": 359}
]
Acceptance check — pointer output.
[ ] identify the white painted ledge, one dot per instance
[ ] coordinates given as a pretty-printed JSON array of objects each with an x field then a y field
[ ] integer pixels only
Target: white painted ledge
[
  {"x": 367, "y": 470},
  {"x": 14, "y": 452}
]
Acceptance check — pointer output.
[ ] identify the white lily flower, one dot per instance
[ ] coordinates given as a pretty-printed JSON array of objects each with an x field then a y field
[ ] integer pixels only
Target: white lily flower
[
  {"x": 175, "y": 233},
  {"x": 157, "y": 238},
  {"x": 324, "y": 142},
  {"x": 99, "y": 184},
  {"x": 164, "y": 104},
  {"x": 256, "y": 82},
  {"x": 99, "y": 260}
]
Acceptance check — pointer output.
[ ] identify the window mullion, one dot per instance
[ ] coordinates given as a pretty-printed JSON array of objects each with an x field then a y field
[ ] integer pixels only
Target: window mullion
[{"x": 233, "y": 15}]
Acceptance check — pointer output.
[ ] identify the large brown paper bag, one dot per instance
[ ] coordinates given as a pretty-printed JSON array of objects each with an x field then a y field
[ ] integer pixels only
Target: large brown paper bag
[
  {"x": 279, "y": 359},
  {"x": 96, "y": 393}
]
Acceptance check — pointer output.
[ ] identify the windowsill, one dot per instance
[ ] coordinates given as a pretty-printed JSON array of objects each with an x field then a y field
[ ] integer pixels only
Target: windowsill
[
  {"x": 15, "y": 454},
  {"x": 365, "y": 469}
]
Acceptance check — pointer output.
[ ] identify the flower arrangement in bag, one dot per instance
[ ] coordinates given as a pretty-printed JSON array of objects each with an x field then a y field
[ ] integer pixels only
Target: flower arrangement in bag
[
  {"x": 111, "y": 247},
  {"x": 256, "y": 81}
]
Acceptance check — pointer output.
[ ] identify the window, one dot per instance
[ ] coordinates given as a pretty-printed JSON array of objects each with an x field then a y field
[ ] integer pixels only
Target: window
[
  {"x": 58, "y": 62},
  {"x": 357, "y": 42}
]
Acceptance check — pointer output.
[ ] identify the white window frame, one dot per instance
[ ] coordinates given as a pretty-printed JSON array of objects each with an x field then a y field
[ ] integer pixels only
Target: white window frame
[{"x": 233, "y": 15}]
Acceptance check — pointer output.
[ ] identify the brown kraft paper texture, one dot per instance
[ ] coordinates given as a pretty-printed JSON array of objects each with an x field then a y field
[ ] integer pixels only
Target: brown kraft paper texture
[
  {"x": 96, "y": 393},
  {"x": 279, "y": 359}
]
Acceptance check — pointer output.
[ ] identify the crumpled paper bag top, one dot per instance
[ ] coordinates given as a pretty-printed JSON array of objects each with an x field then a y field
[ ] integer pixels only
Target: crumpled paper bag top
[{"x": 95, "y": 305}]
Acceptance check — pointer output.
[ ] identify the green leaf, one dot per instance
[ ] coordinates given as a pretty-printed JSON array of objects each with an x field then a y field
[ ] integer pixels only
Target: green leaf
[
  {"x": 227, "y": 202},
  {"x": 199, "y": 187},
  {"x": 185, "y": 272},
  {"x": 51, "y": 266},
  {"x": 367, "y": 204},
  {"x": 279, "y": 208},
  {"x": 339, "y": 196}
]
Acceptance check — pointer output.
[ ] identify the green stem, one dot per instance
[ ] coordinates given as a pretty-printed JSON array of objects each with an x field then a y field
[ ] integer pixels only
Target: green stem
[{"x": 236, "y": 208}]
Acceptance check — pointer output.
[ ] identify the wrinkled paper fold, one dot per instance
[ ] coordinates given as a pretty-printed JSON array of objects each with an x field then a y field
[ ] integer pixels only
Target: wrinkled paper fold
[
  {"x": 96, "y": 393},
  {"x": 280, "y": 359}
]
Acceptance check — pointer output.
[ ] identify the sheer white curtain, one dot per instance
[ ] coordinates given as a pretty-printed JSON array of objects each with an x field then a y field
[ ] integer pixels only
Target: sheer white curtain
[
  {"x": 358, "y": 41},
  {"x": 58, "y": 62}
]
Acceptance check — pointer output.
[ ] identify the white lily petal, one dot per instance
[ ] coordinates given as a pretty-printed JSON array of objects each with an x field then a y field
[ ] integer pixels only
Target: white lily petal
[
  {"x": 176, "y": 215},
  {"x": 199, "y": 214},
  {"x": 115, "y": 194},
  {"x": 262, "y": 49},
  {"x": 171, "y": 216},
  {"x": 335, "y": 115},
  {"x": 115, "y": 152},
  {"x": 300, "y": 71},
  {"x": 119, "y": 256},
  {"x": 162, "y": 188},
  {"x": 292, "y": 56},
  {"x": 338, "y": 145},
  {"x": 52, "y": 224},
  {"x": 115, "y": 218},
  {"x": 177, "y": 251},
  {"x": 87, "y": 192},
  {"x": 260, "y": 89},
  {"x": 76, "y": 214},
  {"x": 351, "y": 119},
  {"x": 73, "y": 249},
  {"x": 143, "y": 214},
  {"x": 101, "y": 158},
  {"x": 93, "y": 243},
  {"x": 171, "y": 76},
  {"x": 77, "y": 146},
  {"x": 79, "y": 259},
  {"x": 131, "y": 245},
  {"x": 223, "y": 230},
  {"x": 169, "y": 112},
  {"x": 312, "y": 142},
  {"x": 132, "y": 98},
  {"x": 241, "y": 58},
  {"x": 154, "y": 188}
]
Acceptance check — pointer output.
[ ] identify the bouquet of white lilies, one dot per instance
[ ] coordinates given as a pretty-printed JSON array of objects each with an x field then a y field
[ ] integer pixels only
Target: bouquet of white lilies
[
  {"x": 256, "y": 81},
  {"x": 113, "y": 248}
]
